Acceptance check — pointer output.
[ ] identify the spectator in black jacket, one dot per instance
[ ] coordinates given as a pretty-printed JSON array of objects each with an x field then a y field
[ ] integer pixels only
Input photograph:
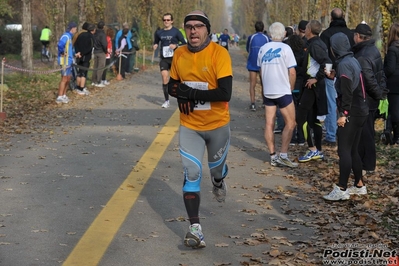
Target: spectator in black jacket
[
  {"x": 83, "y": 48},
  {"x": 391, "y": 69},
  {"x": 99, "y": 51},
  {"x": 375, "y": 82},
  {"x": 313, "y": 101},
  {"x": 353, "y": 112},
  {"x": 337, "y": 24}
]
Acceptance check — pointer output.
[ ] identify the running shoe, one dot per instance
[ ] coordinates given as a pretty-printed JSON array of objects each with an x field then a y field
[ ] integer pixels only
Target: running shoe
[
  {"x": 219, "y": 191},
  {"x": 61, "y": 99},
  {"x": 194, "y": 238},
  {"x": 311, "y": 155},
  {"x": 166, "y": 104},
  {"x": 285, "y": 162},
  {"x": 252, "y": 107},
  {"x": 357, "y": 191},
  {"x": 86, "y": 91},
  {"x": 80, "y": 92},
  {"x": 337, "y": 194}
]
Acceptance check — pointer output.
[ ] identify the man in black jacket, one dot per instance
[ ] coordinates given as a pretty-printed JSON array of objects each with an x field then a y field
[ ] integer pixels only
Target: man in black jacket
[
  {"x": 83, "y": 48},
  {"x": 337, "y": 24},
  {"x": 99, "y": 51},
  {"x": 313, "y": 100},
  {"x": 370, "y": 60}
]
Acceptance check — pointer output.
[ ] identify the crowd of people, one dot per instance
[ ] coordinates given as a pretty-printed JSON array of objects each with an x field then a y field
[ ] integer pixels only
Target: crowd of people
[
  {"x": 336, "y": 76},
  {"x": 93, "y": 44},
  {"x": 306, "y": 75}
]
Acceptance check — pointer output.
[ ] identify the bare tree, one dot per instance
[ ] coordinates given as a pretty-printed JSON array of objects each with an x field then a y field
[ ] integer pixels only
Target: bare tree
[{"x": 26, "y": 35}]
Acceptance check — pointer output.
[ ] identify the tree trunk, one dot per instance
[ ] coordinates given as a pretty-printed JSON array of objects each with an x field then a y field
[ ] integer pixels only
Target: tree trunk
[
  {"x": 82, "y": 13},
  {"x": 348, "y": 9},
  {"x": 26, "y": 35},
  {"x": 58, "y": 15}
]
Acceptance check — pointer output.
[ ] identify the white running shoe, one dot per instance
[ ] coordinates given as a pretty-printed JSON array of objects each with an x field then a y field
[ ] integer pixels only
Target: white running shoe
[
  {"x": 337, "y": 194},
  {"x": 80, "y": 92},
  {"x": 357, "y": 191},
  {"x": 166, "y": 104},
  {"x": 86, "y": 91},
  {"x": 195, "y": 238},
  {"x": 99, "y": 85},
  {"x": 285, "y": 162},
  {"x": 61, "y": 99},
  {"x": 105, "y": 82}
]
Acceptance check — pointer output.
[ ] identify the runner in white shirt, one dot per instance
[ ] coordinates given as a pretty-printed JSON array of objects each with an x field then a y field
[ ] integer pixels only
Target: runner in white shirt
[{"x": 277, "y": 67}]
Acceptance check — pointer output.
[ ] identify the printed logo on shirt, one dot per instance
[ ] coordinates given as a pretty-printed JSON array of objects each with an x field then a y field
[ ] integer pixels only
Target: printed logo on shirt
[{"x": 270, "y": 55}]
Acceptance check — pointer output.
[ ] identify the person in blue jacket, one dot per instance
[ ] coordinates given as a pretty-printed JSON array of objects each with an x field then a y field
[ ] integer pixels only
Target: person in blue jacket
[
  {"x": 66, "y": 55},
  {"x": 254, "y": 43}
]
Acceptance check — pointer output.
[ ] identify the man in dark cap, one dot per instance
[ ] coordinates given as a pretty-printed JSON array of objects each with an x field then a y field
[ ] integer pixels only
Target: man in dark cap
[
  {"x": 300, "y": 31},
  {"x": 65, "y": 60},
  {"x": 374, "y": 78},
  {"x": 337, "y": 24},
  {"x": 201, "y": 79}
]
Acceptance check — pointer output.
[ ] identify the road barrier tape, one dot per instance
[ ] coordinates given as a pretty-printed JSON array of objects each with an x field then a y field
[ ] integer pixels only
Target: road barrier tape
[{"x": 59, "y": 69}]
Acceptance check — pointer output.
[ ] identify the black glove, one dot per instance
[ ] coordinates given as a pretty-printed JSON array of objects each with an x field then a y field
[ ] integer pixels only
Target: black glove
[
  {"x": 182, "y": 91},
  {"x": 185, "y": 106}
]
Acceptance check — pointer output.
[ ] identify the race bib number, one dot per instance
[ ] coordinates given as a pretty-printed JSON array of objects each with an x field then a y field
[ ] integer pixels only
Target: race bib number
[
  {"x": 224, "y": 43},
  {"x": 167, "y": 52},
  {"x": 199, "y": 105}
]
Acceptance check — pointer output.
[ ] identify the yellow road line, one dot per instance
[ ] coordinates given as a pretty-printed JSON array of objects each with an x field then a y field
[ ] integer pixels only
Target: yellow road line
[{"x": 95, "y": 241}]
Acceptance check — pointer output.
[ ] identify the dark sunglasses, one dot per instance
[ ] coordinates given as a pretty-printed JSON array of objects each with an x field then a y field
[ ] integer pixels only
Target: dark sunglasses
[
  {"x": 194, "y": 27},
  {"x": 167, "y": 20}
]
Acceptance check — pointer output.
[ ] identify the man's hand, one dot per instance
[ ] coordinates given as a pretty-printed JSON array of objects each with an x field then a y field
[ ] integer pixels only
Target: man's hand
[
  {"x": 182, "y": 91},
  {"x": 185, "y": 106}
]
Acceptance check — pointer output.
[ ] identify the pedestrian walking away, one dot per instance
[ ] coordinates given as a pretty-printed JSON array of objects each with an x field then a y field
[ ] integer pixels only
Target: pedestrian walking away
[
  {"x": 202, "y": 97},
  {"x": 254, "y": 42},
  {"x": 168, "y": 39}
]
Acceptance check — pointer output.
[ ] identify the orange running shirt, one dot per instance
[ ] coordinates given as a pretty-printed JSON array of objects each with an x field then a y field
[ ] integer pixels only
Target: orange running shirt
[{"x": 206, "y": 66}]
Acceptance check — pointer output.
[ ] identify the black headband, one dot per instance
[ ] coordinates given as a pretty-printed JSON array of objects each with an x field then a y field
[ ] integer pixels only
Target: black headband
[{"x": 203, "y": 18}]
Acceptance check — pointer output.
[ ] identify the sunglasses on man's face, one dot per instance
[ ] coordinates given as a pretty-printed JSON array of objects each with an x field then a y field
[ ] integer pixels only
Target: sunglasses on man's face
[
  {"x": 167, "y": 20},
  {"x": 194, "y": 27}
]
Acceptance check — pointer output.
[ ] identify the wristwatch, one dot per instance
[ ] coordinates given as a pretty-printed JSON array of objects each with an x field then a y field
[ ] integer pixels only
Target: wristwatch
[{"x": 343, "y": 114}]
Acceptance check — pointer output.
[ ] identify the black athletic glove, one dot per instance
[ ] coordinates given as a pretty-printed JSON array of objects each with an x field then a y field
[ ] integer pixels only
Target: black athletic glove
[
  {"x": 185, "y": 106},
  {"x": 182, "y": 91}
]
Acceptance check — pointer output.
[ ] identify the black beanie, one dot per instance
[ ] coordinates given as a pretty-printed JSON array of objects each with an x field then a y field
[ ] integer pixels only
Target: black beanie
[{"x": 200, "y": 17}]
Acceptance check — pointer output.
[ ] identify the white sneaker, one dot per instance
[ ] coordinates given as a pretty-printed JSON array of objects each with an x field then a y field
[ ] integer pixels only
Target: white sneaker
[
  {"x": 105, "y": 82},
  {"x": 166, "y": 104},
  {"x": 99, "y": 85},
  {"x": 86, "y": 91},
  {"x": 357, "y": 191},
  {"x": 80, "y": 92},
  {"x": 66, "y": 99},
  {"x": 93, "y": 84},
  {"x": 195, "y": 238},
  {"x": 61, "y": 99},
  {"x": 285, "y": 162},
  {"x": 337, "y": 194}
]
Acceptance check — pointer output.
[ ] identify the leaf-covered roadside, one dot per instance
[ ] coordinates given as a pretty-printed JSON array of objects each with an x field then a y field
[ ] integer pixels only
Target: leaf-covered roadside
[{"x": 370, "y": 221}]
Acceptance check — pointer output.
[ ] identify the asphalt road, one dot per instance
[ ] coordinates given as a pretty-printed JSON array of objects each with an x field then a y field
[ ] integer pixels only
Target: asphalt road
[{"x": 104, "y": 187}]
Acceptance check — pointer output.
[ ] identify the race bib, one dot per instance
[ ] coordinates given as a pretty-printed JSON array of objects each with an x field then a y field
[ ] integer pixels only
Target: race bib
[
  {"x": 224, "y": 43},
  {"x": 167, "y": 52},
  {"x": 199, "y": 105}
]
